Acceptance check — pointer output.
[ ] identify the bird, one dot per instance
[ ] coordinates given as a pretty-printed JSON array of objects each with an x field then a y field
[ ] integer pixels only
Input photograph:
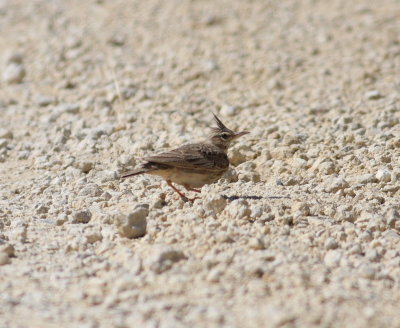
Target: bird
[{"x": 192, "y": 165}]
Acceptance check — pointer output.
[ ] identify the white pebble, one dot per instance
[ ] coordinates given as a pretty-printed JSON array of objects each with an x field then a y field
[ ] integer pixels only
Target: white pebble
[
  {"x": 215, "y": 203},
  {"x": 332, "y": 258},
  {"x": 331, "y": 243},
  {"x": 373, "y": 95},
  {"x": 227, "y": 110},
  {"x": 14, "y": 73},
  {"x": 256, "y": 243},
  {"x": 383, "y": 175},
  {"x": 133, "y": 225}
]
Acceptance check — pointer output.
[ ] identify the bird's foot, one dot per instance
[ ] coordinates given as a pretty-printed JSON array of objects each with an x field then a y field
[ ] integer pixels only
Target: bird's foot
[
  {"x": 192, "y": 199},
  {"x": 187, "y": 199},
  {"x": 191, "y": 189},
  {"x": 182, "y": 195}
]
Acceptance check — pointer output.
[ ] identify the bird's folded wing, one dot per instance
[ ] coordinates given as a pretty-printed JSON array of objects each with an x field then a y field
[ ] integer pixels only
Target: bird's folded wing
[{"x": 192, "y": 157}]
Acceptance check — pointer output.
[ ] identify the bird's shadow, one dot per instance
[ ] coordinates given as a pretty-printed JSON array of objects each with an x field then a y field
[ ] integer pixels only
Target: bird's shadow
[{"x": 252, "y": 197}]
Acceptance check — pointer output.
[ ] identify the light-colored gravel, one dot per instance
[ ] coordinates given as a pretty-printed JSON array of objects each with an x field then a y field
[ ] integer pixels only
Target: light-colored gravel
[{"x": 304, "y": 229}]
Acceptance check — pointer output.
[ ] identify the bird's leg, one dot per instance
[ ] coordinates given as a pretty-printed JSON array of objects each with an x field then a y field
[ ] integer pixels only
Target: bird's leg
[
  {"x": 177, "y": 191},
  {"x": 191, "y": 189}
]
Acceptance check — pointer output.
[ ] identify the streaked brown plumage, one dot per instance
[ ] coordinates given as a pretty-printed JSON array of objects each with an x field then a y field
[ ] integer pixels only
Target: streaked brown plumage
[{"x": 192, "y": 165}]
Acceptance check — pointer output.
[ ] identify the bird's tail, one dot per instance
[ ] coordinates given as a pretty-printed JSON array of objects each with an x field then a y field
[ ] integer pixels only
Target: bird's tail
[{"x": 133, "y": 172}]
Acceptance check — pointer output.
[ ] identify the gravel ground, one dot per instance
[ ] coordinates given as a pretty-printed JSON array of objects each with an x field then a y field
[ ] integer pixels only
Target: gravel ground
[{"x": 303, "y": 231}]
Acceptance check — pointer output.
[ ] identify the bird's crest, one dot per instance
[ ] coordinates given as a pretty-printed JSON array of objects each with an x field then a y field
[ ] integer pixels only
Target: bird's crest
[{"x": 221, "y": 127}]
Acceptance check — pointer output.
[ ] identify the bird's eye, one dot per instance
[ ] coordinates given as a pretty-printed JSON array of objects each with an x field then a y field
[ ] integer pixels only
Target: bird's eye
[{"x": 225, "y": 136}]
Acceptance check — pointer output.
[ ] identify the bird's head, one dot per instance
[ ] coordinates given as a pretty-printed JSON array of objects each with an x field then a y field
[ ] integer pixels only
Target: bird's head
[{"x": 222, "y": 136}]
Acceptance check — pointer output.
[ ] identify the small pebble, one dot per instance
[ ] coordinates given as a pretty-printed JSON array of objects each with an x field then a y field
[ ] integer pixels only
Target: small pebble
[
  {"x": 85, "y": 165},
  {"x": 363, "y": 179},
  {"x": 93, "y": 235},
  {"x": 372, "y": 255},
  {"x": 83, "y": 216},
  {"x": 44, "y": 101},
  {"x": 162, "y": 258},
  {"x": 356, "y": 249},
  {"x": 133, "y": 225},
  {"x": 215, "y": 203},
  {"x": 14, "y": 73},
  {"x": 6, "y": 134},
  {"x": 331, "y": 243},
  {"x": 373, "y": 95},
  {"x": 332, "y": 258},
  {"x": 333, "y": 185},
  {"x": 384, "y": 175},
  {"x": 227, "y": 110},
  {"x": 14, "y": 57},
  {"x": 7, "y": 249},
  {"x": 4, "y": 258},
  {"x": 256, "y": 243}
]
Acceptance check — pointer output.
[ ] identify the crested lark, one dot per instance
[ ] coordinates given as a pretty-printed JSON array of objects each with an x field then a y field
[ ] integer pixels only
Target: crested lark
[{"x": 192, "y": 165}]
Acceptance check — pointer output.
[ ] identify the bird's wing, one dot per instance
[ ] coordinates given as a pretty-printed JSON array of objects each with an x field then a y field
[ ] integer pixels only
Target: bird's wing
[{"x": 192, "y": 156}]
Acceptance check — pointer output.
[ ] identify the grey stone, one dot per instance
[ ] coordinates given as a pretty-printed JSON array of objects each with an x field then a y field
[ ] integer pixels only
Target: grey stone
[{"x": 82, "y": 216}]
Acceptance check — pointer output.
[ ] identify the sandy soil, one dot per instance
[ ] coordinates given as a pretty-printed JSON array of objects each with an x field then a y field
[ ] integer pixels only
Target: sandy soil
[{"x": 303, "y": 231}]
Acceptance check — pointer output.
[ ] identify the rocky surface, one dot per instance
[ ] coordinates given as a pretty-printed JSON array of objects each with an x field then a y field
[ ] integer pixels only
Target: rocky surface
[{"x": 304, "y": 230}]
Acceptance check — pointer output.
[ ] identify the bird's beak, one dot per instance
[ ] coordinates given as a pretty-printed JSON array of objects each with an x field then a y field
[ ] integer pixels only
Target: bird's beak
[{"x": 239, "y": 134}]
